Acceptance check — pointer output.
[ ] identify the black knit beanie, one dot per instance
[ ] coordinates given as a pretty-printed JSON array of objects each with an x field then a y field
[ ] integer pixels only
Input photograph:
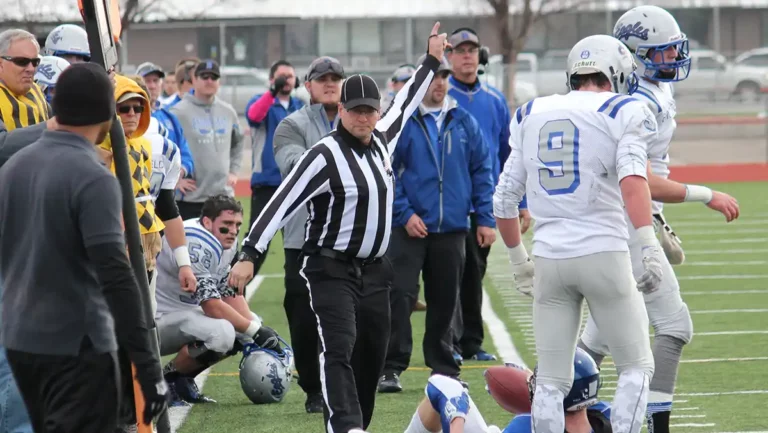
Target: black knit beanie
[{"x": 84, "y": 96}]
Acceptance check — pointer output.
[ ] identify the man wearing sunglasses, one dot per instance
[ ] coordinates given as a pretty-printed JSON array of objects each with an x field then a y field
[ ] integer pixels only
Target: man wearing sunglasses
[
  {"x": 21, "y": 101},
  {"x": 212, "y": 129}
]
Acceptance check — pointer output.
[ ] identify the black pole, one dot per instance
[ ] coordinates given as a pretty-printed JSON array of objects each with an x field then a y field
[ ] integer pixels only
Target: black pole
[{"x": 104, "y": 53}]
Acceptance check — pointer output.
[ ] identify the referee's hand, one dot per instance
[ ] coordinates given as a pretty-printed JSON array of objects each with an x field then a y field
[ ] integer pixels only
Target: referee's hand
[
  {"x": 437, "y": 43},
  {"x": 240, "y": 275}
]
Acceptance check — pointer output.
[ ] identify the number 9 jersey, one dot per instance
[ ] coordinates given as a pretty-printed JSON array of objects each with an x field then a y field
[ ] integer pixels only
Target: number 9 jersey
[
  {"x": 210, "y": 264},
  {"x": 569, "y": 153}
]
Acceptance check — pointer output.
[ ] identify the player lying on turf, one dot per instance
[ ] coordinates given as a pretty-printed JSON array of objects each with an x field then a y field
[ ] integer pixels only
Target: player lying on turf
[
  {"x": 449, "y": 408},
  {"x": 207, "y": 324}
]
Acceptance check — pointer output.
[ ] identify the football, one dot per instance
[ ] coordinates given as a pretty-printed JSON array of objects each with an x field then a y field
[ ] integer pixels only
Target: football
[{"x": 508, "y": 385}]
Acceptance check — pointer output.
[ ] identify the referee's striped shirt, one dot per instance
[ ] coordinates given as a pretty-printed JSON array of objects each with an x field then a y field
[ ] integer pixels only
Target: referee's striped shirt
[{"x": 349, "y": 186}]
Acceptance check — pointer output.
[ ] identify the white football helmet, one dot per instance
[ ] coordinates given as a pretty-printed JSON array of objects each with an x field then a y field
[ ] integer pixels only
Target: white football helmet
[
  {"x": 649, "y": 31},
  {"x": 48, "y": 72},
  {"x": 606, "y": 55},
  {"x": 67, "y": 39},
  {"x": 265, "y": 375}
]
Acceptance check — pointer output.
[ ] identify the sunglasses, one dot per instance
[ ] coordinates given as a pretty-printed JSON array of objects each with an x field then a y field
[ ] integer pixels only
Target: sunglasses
[
  {"x": 22, "y": 61},
  {"x": 207, "y": 76},
  {"x": 125, "y": 109},
  {"x": 326, "y": 67}
]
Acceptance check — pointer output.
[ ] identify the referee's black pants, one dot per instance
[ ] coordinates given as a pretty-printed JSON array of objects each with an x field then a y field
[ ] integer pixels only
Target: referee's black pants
[
  {"x": 260, "y": 196},
  {"x": 351, "y": 302},
  {"x": 302, "y": 324},
  {"x": 69, "y": 393},
  {"x": 440, "y": 259},
  {"x": 469, "y": 333}
]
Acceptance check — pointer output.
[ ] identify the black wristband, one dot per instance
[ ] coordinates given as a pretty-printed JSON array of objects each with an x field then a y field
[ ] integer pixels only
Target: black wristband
[{"x": 430, "y": 37}]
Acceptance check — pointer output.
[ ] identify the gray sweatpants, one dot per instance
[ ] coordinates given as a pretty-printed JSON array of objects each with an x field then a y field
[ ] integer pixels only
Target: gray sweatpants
[{"x": 605, "y": 280}]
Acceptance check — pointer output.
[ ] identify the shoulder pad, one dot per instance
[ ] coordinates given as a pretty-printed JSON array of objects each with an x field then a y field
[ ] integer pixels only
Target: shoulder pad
[
  {"x": 612, "y": 106},
  {"x": 646, "y": 96}
]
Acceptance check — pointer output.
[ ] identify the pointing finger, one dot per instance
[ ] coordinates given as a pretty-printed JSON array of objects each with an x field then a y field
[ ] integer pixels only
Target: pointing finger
[{"x": 435, "y": 28}]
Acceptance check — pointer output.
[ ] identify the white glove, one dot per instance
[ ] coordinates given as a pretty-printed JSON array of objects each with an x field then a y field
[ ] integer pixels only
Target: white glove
[
  {"x": 670, "y": 243},
  {"x": 522, "y": 269},
  {"x": 650, "y": 281}
]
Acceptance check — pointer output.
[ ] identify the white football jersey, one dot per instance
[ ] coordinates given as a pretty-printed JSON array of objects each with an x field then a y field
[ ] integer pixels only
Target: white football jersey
[
  {"x": 661, "y": 101},
  {"x": 569, "y": 153},
  {"x": 210, "y": 264},
  {"x": 166, "y": 159}
]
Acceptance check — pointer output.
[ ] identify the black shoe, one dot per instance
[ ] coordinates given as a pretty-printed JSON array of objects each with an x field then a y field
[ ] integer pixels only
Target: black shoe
[
  {"x": 390, "y": 382},
  {"x": 314, "y": 403},
  {"x": 187, "y": 389}
]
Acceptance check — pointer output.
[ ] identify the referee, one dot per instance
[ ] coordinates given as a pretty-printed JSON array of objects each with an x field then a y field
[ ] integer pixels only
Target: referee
[{"x": 347, "y": 180}]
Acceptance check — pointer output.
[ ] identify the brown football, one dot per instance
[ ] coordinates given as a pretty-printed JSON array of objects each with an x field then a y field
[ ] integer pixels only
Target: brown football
[{"x": 508, "y": 385}]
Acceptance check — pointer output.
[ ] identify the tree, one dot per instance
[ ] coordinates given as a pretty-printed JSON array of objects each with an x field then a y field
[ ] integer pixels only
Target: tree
[{"x": 514, "y": 20}]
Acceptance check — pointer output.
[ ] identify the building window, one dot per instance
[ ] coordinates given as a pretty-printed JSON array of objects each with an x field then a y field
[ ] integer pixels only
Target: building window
[
  {"x": 335, "y": 38},
  {"x": 393, "y": 33},
  {"x": 366, "y": 37},
  {"x": 301, "y": 38}
]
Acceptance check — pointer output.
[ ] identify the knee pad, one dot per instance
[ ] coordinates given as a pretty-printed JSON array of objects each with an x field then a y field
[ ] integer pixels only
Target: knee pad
[
  {"x": 205, "y": 356},
  {"x": 679, "y": 325}
]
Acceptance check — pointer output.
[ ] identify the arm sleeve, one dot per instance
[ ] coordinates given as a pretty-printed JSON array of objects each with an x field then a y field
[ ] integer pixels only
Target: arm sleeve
[
  {"x": 402, "y": 210},
  {"x": 406, "y": 102},
  {"x": 257, "y": 110},
  {"x": 165, "y": 205},
  {"x": 480, "y": 170},
  {"x": 289, "y": 144},
  {"x": 308, "y": 179},
  {"x": 640, "y": 128},
  {"x": 13, "y": 141},
  {"x": 238, "y": 143},
  {"x": 511, "y": 187}
]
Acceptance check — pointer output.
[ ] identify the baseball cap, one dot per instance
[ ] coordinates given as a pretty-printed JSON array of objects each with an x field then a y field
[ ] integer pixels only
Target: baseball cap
[
  {"x": 147, "y": 68},
  {"x": 444, "y": 65},
  {"x": 207, "y": 66},
  {"x": 358, "y": 90},
  {"x": 463, "y": 36},
  {"x": 323, "y": 66},
  {"x": 130, "y": 95},
  {"x": 403, "y": 73}
]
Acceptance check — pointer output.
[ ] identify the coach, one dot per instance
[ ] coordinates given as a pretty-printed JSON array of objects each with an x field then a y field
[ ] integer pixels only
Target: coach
[
  {"x": 348, "y": 181},
  {"x": 75, "y": 276},
  {"x": 293, "y": 136}
]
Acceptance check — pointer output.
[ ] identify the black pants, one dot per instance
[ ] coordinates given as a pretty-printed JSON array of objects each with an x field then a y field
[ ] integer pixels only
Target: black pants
[
  {"x": 68, "y": 393},
  {"x": 302, "y": 324},
  {"x": 440, "y": 259},
  {"x": 189, "y": 210},
  {"x": 260, "y": 196},
  {"x": 351, "y": 302},
  {"x": 468, "y": 328}
]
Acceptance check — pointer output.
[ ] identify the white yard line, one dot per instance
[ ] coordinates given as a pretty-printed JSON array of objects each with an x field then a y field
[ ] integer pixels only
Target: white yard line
[
  {"x": 177, "y": 415},
  {"x": 687, "y": 416},
  {"x": 720, "y": 223},
  {"x": 728, "y": 263},
  {"x": 747, "y": 310},
  {"x": 499, "y": 334},
  {"x": 693, "y": 252},
  {"x": 693, "y": 425},
  {"x": 714, "y": 217},
  {"x": 728, "y": 232},
  {"x": 703, "y": 334},
  {"x": 726, "y": 241},
  {"x": 717, "y": 394},
  {"x": 723, "y": 292},
  {"x": 723, "y": 277}
]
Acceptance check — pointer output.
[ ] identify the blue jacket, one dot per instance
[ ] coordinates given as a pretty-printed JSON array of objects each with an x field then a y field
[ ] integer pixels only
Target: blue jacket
[
  {"x": 489, "y": 107},
  {"x": 176, "y": 134},
  {"x": 265, "y": 169},
  {"x": 442, "y": 188}
]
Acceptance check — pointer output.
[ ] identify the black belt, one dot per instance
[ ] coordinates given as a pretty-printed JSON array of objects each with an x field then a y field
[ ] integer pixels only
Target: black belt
[{"x": 337, "y": 255}]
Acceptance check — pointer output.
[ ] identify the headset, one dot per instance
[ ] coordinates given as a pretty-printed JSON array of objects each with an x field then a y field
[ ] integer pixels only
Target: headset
[
  {"x": 484, "y": 53},
  {"x": 273, "y": 67}
]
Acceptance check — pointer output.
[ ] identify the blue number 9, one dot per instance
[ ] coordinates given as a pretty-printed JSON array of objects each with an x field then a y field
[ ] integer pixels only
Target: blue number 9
[{"x": 559, "y": 152}]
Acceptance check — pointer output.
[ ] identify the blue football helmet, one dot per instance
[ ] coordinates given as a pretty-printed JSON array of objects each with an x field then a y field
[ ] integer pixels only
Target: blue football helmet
[
  {"x": 586, "y": 383},
  {"x": 649, "y": 31}
]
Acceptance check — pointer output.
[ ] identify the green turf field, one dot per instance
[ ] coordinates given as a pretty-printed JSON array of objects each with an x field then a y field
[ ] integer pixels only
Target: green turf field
[{"x": 723, "y": 383}]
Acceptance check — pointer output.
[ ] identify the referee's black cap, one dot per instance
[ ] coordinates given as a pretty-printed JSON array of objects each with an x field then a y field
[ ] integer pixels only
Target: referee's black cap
[{"x": 360, "y": 89}]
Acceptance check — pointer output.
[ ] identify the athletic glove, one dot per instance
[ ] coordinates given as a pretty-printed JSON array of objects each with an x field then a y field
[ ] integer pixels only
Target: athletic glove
[
  {"x": 448, "y": 398},
  {"x": 650, "y": 281},
  {"x": 154, "y": 389},
  {"x": 267, "y": 338},
  {"x": 278, "y": 85},
  {"x": 522, "y": 269}
]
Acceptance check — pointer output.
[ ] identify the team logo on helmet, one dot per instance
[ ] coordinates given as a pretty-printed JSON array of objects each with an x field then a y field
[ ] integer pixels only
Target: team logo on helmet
[
  {"x": 56, "y": 37},
  {"x": 585, "y": 54},
  {"x": 637, "y": 30},
  {"x": 46, "y": 70}
]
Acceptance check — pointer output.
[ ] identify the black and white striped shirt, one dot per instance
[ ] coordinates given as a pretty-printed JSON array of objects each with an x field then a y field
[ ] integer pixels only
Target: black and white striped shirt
[{"x": 348, "y": 185}]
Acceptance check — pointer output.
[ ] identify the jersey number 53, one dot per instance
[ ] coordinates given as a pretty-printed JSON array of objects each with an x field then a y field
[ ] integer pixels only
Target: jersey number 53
[{"x": 559, "y": 152}]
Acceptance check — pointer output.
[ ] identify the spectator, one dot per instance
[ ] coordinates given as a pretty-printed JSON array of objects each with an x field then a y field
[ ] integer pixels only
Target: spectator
[
  {"x": 153, "y": 77},
  {"x": 396, "y": 82},
  {"x": 489, "y": 107},
  {"x": 70, "y": 42},
  {"x": 169, "y": 89},
  {"x": 213, "y": 133},
  {"x": 22, "y": 103},
  {"x": 183, "y": 73},
  {"x": 293, "y": 136},
  {"x": 443, "y": 169},
  {"x": 264, "y": 112}
]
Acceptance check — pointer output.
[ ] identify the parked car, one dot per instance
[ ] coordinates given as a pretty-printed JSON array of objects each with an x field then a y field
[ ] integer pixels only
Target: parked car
[{"x": 750, "y": 71}]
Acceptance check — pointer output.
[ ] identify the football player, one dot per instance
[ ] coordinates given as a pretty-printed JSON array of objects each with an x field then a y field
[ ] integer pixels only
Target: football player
[
  {"x": 68, "y": 41},
  {"x": 209, "y": 322},
  {"x": 661, "y": 51},
  {"x": 449, "y": 408},
  {"x": 47, "y": 74},
  {"x": 578, "y": 195}
]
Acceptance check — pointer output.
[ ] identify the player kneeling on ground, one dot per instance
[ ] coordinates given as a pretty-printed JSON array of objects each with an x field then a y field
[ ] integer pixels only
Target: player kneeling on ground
[
  {"x": 211, "y": 322},
  {"x": 448, "y": 407}
]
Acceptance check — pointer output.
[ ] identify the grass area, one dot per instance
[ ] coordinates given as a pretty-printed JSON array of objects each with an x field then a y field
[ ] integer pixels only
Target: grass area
[{"x": 712, "y": 363}]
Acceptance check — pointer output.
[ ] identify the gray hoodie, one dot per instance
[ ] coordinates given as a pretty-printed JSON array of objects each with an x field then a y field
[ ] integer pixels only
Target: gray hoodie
[
  {"x": 215, "y": 141},
  {"x": 294, "y": 135}
]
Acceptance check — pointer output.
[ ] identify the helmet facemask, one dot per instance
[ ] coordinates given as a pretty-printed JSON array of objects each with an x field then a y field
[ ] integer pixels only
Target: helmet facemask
[{"x": 676, "y": 70}]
